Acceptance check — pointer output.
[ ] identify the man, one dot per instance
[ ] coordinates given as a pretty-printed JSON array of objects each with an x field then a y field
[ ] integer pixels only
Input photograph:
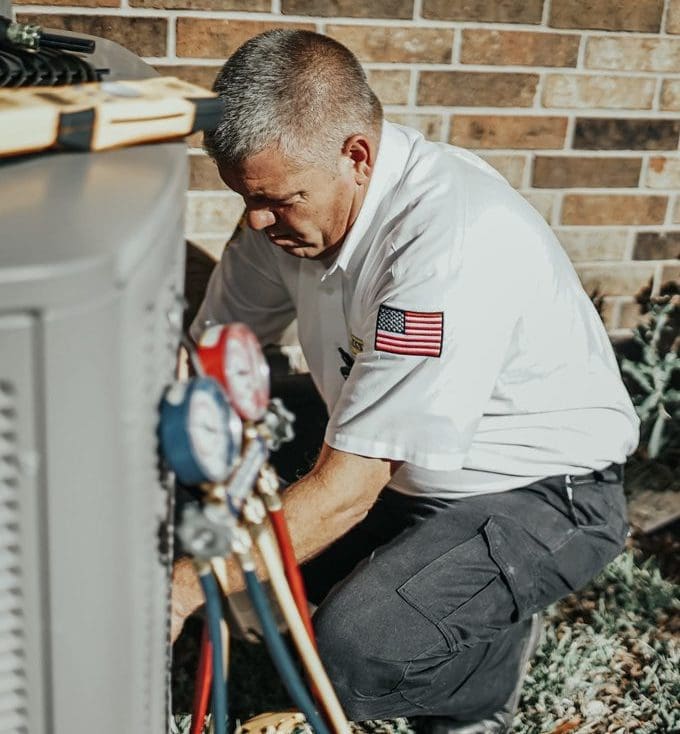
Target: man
[{"x": 470, "y": 472}]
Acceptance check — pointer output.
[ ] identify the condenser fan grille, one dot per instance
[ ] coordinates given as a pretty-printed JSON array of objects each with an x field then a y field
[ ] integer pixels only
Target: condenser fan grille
[{"x": 13, "y": 693}]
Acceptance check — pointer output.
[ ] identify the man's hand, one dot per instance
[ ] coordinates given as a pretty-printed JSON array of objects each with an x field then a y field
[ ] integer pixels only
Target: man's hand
[
  {"x": 186, "y": 595},
  {"x": 336, "y": 495}
]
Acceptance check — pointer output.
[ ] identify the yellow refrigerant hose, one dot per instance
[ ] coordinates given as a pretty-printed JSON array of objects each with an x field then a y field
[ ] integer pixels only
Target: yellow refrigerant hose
[{"x": 306, "y": 649}]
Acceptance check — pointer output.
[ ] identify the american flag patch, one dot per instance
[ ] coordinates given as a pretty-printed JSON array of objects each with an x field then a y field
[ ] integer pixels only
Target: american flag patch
[{"x": 409, "y": 332}]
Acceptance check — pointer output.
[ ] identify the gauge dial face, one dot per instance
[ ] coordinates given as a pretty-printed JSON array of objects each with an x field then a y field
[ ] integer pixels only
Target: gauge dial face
[
  {"x": 214, "y": 432},
  {"x": 246, "y": 372}
]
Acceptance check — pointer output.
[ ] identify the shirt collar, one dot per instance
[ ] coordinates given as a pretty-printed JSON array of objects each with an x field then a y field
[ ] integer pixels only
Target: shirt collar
[{"x": 393, "y": 151}]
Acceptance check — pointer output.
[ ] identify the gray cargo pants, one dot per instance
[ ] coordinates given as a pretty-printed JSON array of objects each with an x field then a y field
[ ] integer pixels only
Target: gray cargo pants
[{"x": 421, "y": 603}]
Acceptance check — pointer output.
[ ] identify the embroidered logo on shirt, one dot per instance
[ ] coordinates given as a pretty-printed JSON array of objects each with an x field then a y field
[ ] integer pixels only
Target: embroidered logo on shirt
[
  {"x": 356, "y": 345},
  {"x": 409, "y": 332},
  {"x": 349, "y": 363}
]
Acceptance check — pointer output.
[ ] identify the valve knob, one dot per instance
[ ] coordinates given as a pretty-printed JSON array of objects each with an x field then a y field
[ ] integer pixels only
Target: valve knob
[{"x": 279, "y": 422}]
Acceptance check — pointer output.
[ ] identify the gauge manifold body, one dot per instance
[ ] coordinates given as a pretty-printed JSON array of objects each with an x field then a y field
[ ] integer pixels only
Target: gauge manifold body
[{"x": 199, "y": 432}]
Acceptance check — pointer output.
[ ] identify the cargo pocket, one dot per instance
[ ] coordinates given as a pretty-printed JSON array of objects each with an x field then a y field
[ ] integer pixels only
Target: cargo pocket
[{"x": 477, "y": 588}]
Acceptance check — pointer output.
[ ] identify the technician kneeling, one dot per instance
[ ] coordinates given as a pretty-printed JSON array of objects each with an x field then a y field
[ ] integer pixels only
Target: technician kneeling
[{"x": 471, "y": 468}]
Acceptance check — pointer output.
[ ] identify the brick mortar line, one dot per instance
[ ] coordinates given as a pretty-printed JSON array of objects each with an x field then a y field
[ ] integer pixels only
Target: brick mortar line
[
  {"x": 545, "y": 15},
  {"x": 171, "y": 39},
  {"x": 572, "y": 113},
  {"x": 630, "y": 245},
  {"x": 670, "y": 209},
  {"x": 581, "y": 55},
  {"x": 446, "y": 128},
  {"x": 644, "y": 171},
  {"x": 622, "y": 264},
  {"x": 276, "y": 7},
  {"x": 664, "y": 16},
  {"x": 457, "y": 47},
  {"x": 481, "y": 68},
  {"x": 388, "y": 22},
  {"x": 413, "y": 87},
  {"x": 664, "y": 227},
  {"x": 528, "y": 173},
  {"x": 633, "y": 228},
  {"x": 656, "y": 98},
  {"x": 418, "y": 10},
  {"x": 556, "y": 208},
  {"x": 616, "y": 315}
]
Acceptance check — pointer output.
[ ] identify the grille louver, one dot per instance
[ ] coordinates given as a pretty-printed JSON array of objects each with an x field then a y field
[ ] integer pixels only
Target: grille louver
[{"x": 13, "y": 693}]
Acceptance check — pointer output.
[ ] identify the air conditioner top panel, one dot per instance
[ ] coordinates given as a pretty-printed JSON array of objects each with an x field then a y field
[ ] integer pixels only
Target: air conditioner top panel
[{"x": 71, "y": 223}]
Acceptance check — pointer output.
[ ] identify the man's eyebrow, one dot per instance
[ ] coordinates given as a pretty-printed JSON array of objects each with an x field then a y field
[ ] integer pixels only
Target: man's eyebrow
[{"x": 264, "y": 197}]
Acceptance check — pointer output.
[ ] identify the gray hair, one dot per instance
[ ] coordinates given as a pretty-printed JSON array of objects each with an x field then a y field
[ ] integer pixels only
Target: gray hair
[{"x": 296, "y": 90}]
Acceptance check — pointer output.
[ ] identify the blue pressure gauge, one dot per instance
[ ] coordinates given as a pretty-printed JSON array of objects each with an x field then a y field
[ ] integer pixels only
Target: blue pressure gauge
[{"x": 200, "y": 434}]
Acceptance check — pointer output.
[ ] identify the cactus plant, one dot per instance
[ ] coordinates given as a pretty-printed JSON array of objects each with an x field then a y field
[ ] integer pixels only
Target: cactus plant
[{"x": 652, "y": 375}]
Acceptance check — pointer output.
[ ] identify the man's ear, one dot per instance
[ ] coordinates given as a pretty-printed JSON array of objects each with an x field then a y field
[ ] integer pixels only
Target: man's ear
[{"x": 361, "y": 152}]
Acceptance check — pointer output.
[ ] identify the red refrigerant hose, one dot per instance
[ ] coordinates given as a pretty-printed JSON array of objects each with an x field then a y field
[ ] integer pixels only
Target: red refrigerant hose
[
  {"x": 292, "y": 569},
  {"x": 203, "y": 684}
]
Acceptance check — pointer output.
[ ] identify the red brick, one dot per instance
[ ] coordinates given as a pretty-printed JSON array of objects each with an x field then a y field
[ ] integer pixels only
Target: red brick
[
  {"x": 657, "y": 246},
  {"x": 542, "y": 201},
  {"x": 673, "y": 18},
  {"x": 429, "y": 125},
  {"x": 670, "y": 94},
  {"x": 663, "y": 173},
  {"x": 72, "y": 3},
  {"x": 629, "y": 314},
  {"x": 476, "y": 89},
  {"x": 396, "y": 44},
  {"x": 560, "y": 172},
  {"x": 492, "y": 11},
  {"x": 195, "y": 140},
  {"x": 402, "y": 9},
  {"x": 390, "y": 86},
  {"x": 143, "y": 36},
  {"x": 586, "y": 245},
  {"x": 203, "y": 174},
  {"x": 204, "y": 38},
  {"x": 669, "y": 274},
  {"x": 633, "y": 54},
  {"x": 203, "y": 76},
  {"x": 215, "y": 213},
  {"x": 608, "y": 92},
  {"x": 608, "y": 15},
  {"x": 593, "y": 133},
  {"x": 521, "y": 48},
  {"x": 602, "y": 209},
  {"x": 615, "y": 279},
  {"x": 511, "y": 167},
  {"x": 252, "y": 6},
  {"x": 496, "y": 131}
]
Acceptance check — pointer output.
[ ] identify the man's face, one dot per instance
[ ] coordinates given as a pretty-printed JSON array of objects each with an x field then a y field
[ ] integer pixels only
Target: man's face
[{"x": 306, "y": 211}]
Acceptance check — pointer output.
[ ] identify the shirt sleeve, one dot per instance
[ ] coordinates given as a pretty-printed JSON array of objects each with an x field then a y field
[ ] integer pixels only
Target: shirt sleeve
[
  {"x": 405, "y": 403},
  {"x": 246, "y": 285}
]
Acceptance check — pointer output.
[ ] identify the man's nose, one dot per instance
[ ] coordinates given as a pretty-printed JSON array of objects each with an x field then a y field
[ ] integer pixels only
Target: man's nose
[{"x": 260, "y": 218}]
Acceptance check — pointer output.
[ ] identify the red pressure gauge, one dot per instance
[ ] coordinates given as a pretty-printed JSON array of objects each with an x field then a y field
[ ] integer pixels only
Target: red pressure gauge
[{"x": 232, "y": 355}]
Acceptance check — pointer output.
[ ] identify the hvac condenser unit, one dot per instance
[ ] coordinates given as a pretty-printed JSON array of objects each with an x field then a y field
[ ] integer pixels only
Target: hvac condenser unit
[{"x": 91, "y": 272}]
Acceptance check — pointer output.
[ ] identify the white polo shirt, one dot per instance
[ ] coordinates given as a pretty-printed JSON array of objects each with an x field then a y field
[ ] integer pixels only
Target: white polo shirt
[{"x": 480, "y": 362}]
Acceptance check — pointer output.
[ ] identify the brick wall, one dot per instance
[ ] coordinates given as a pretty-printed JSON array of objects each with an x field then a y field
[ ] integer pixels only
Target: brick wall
[{"x": 575, "y": 101}]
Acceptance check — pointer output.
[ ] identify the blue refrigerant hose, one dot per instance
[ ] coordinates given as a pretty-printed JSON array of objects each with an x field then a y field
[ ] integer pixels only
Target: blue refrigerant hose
[
  {"x": 280, "y": 655},
  {"x": 213, "y": 607}
]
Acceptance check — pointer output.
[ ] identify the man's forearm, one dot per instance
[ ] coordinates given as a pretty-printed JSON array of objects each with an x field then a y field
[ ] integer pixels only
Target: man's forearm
[
  {"x": 317, "y": 511},
  {"x": 320, "y": 508}
]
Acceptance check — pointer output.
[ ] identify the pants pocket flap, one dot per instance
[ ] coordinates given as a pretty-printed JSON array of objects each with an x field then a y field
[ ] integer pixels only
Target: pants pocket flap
[{"x": 510, "y": 547}]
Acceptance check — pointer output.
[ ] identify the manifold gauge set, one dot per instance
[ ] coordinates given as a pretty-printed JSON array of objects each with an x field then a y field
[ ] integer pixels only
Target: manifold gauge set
[{"x": 215, "y": 433}]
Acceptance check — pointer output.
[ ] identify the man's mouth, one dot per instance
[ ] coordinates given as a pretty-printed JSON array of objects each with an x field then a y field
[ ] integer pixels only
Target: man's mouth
[{"x": 285, "y": 240}]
